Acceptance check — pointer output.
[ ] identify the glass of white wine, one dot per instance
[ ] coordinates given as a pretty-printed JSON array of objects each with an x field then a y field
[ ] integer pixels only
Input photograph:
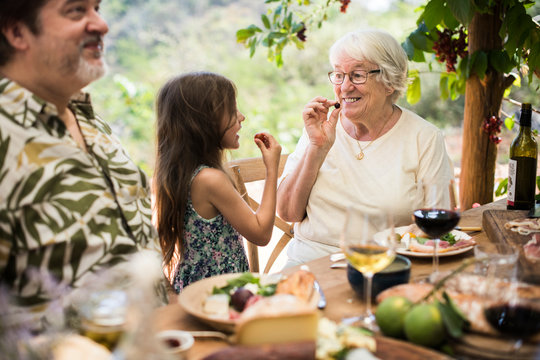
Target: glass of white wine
[{"x": 367, "y": 240}]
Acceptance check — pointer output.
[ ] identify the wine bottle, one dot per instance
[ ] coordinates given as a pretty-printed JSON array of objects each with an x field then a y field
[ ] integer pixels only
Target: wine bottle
[{"x": 522, "y": 165}]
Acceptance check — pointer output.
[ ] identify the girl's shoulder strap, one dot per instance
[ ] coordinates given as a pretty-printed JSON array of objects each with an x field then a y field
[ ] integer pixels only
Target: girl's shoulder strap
[{"x": 198, "y": 170}]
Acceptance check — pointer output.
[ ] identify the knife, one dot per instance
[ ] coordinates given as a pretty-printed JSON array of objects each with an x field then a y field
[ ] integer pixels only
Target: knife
[
  {"x": 322, "y": 299},
  {"x": 468, "y": 228}
]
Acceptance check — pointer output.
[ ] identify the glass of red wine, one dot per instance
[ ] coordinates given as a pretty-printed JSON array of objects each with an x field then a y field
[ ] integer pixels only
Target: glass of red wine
[
  {"x": 435, "y": 217},
  {"x": 511, "y": 308}
]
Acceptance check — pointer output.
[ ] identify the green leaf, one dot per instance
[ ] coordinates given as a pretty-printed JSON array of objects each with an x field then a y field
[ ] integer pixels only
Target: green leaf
[
  {"x": 276, "y": 35},
  {"x": 240, "y": 281},
  {"x": 433, "y": 13},
  {"x": 420, "y": 40},
  {"x": 518, "y": 25},
  {"x": 252, "y": 48},
  {"x": 453, "y": 320},
  {"x": 297, "y": 27},
  {"x": 509, "y": 122},
  {"x": 288, "y": 21},
  {"x": 449, "y": 19},
  {"x": 449, "y": 237},
  {"x": 443, "y": 86},
  {"x": 413, "y": 90},
  {"x": 408, "y": 46},
  {"x": 243, "y": 34},
  {"x": 461, "y": 84},
  {"x": 502, "y": 188},
  {"x": 462, "y": 10},
  {"x": 534, "y": 56},
  {"x": 265, "y": 21},
  {"x": 477, "y": 64},
  {"x": 500, "y": 61},
  {"x": 279, "y": 60},
  {"x": 299, "y": 44},
  {"x": 480, "y": 64}
]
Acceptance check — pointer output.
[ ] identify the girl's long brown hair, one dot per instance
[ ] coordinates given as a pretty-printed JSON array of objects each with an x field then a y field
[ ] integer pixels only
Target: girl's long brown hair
[{"x": 190, "y": 111}]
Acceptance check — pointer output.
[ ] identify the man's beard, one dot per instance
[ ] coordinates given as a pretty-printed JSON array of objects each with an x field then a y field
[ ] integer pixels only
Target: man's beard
[{"x": 87, "y": 72}]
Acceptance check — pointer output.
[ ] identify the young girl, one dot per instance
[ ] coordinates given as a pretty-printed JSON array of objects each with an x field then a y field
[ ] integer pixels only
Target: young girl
[{"x": 200, "y": 215}]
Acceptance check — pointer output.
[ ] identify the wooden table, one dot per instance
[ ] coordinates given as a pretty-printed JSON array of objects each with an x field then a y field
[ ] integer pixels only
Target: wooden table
[{"x": 341, "y": 299}]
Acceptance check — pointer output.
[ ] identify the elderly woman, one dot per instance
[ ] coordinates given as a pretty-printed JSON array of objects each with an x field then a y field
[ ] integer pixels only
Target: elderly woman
[{"x": 368, "y": 152}]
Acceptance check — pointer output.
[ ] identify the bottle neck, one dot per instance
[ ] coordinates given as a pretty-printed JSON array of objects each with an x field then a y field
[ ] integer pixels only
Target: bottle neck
[
  {"x": 525, "y": 118},
  {"x": 525, "y": 128}
]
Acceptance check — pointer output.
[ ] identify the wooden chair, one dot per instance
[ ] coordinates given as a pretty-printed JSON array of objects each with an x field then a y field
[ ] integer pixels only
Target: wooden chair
[
  {"x": 247, "y": 170},
  {"x": 453, "y": 197}
]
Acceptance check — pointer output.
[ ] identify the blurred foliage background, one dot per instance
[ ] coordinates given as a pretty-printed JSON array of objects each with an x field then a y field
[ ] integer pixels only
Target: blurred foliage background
[{"x": 150, "y": 41}]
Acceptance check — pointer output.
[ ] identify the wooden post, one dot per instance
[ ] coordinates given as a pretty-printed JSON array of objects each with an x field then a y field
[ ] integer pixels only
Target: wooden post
[{"x": 483, "y": 98}]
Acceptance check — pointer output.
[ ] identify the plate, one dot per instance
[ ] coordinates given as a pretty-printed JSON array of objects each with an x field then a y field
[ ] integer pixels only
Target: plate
[
  {"x": 192, "y": 299},
  {"x": 402, "y": 251}
]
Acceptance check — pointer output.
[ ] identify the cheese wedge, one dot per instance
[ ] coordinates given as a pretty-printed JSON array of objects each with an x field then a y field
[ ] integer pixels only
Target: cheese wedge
[{"x": 277, "y": 319}]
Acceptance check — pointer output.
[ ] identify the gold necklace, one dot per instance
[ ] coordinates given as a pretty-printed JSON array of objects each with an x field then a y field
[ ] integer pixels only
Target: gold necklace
[{"x": 361, "y": 154}]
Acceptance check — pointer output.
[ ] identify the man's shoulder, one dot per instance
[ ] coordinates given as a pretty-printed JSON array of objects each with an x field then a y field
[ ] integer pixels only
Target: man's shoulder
[{"x": 18, "y": 104}]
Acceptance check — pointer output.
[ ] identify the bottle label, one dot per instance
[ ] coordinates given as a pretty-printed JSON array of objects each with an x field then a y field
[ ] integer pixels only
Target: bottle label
[{"x": 512, "y": 167}]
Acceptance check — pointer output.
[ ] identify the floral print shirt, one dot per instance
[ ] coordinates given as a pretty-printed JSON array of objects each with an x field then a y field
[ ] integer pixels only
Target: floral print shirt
[
  {"x": 212, "y": 247},
  {"x": 64, "y": 212}
]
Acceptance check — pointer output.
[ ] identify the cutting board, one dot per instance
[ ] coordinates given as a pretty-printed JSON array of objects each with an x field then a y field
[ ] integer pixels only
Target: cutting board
[{"x": 493, "y": 225}]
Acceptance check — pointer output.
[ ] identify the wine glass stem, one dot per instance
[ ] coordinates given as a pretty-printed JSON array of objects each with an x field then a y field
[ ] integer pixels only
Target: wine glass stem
[
  {"x": 436, "y": 257},
  {"x": 367, "y": 292}
]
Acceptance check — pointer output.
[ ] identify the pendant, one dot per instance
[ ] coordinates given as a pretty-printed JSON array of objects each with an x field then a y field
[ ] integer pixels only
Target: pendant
[{"x": 360, "y": 155}]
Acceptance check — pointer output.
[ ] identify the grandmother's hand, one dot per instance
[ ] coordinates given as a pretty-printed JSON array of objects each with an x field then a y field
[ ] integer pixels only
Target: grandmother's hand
[{"x": 320, "y": 127}]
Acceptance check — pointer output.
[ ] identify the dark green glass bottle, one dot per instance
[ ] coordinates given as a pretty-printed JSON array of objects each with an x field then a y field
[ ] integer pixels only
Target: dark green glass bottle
[{"x": 522, "y": 165}]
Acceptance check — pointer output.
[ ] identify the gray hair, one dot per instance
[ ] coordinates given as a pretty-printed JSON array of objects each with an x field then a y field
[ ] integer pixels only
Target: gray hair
[{"x": 378, "y": 47}]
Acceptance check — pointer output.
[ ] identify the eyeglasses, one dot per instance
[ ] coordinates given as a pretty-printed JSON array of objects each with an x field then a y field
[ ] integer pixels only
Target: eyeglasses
[{"x": 357, "y": 77}]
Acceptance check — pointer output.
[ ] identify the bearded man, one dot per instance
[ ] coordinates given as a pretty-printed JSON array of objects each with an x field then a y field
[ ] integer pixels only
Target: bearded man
[{"x": 71, "y": 202}]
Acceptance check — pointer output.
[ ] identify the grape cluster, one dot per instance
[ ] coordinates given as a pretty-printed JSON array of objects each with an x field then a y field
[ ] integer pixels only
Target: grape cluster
[
  {"x": 448, "y": 47},
  {"x": 492, "y": 127},
  {"x": 344, "y": 4}
]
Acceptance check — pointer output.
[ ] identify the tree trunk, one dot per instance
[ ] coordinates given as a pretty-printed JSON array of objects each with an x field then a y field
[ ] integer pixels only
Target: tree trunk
[{"x": 483, "y": 98}]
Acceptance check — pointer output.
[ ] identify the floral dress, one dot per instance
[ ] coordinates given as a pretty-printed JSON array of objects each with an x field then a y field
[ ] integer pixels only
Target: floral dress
[{"x": 212, "y": 247}]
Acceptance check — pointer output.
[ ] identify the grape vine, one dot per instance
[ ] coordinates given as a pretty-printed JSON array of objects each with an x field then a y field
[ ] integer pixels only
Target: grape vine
[{"x": 450, "y": 45}]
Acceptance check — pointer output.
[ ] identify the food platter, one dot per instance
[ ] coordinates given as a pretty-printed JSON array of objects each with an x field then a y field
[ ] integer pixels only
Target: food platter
[
  {"x": 403, "y": 250},
  {"x": 447, "y": 253},
  {"x": 192, "y": 299},
  {"x": 193, "y": 296}
]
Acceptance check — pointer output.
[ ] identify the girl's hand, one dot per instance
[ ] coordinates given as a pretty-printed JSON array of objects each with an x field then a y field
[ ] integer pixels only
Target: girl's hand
[
  {"x": 320, "y": 127},
  {"x": 270, "y": 148}
]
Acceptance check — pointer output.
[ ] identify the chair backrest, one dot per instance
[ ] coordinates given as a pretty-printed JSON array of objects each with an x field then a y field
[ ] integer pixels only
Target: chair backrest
[{"x": 247, "y": 170}]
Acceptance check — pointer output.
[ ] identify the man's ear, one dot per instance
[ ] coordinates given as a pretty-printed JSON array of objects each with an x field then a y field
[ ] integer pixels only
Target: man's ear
[
  {"x": 17, "y": 35},
  {"x": 389, "y": 91}
]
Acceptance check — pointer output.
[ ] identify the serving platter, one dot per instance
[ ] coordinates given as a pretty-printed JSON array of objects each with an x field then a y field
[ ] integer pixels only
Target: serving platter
[{"x": 193, "y": 296}]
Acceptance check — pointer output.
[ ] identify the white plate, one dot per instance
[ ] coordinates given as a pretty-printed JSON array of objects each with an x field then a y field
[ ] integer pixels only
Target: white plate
[
  {"x": 460, "y": 235},
  {"x": 192, "y": 298}
]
